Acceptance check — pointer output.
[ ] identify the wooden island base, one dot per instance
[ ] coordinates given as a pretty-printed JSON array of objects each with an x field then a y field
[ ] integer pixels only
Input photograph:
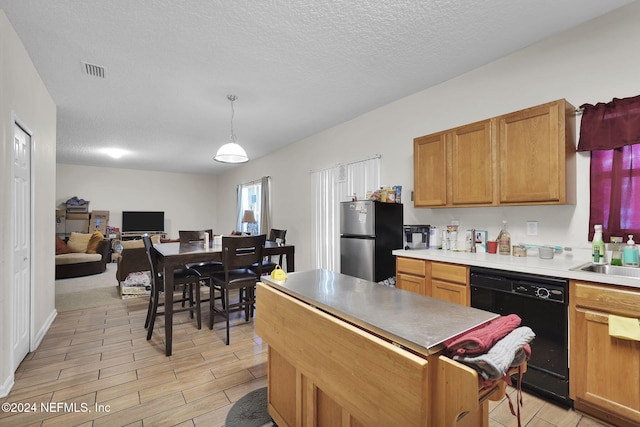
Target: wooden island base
[{"x": 324, "y": 371}]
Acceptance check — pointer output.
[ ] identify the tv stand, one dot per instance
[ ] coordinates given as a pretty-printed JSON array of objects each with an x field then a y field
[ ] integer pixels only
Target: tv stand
[{"x": 132, "y": 235}]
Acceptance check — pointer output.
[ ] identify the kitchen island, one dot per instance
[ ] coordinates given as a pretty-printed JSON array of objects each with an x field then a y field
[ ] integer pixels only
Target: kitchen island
[{"x": 345, "y": 351}]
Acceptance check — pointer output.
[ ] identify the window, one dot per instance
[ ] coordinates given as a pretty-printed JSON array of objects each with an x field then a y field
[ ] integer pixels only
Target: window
[
  {"x": 615, "y": 185},
  {"x": 611, "y": 132},
  {"x": 254, "y": 196}
]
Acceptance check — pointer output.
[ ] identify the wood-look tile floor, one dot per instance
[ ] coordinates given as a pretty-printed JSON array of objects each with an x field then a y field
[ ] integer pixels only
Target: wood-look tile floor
[{"x": 95, "y": 367}]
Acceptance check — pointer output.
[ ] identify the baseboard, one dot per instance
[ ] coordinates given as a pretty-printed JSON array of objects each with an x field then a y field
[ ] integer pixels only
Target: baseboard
[
  {"x": 602, "y": 416},
  {"x": 7, "y": 385},
  {"x": 37, "y": 339}
]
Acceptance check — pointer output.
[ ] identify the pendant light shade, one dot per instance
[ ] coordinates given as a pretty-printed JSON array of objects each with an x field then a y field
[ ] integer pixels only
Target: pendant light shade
[{"x": 231, "y": 152}]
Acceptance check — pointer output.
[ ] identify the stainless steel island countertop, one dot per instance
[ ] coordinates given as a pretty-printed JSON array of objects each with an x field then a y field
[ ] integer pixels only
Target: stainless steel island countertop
[{"x": 413, "y": 321}]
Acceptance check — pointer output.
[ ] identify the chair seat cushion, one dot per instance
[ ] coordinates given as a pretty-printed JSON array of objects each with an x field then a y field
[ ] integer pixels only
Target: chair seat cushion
[
  {"x": 206, "y": 268},
  {"x": 183, "y": 273},
  {"x": 235, "y": 276}
]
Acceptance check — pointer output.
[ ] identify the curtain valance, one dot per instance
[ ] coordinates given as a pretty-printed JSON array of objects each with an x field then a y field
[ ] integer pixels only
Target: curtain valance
[{"x": 606, "y": 126}]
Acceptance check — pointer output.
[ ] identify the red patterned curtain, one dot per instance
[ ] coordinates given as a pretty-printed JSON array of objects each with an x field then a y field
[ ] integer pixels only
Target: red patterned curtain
[{"x": 611, "y": 131}]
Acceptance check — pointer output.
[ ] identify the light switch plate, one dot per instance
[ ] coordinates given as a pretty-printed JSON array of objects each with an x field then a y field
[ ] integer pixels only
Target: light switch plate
[{"x": 532, "y": 228}]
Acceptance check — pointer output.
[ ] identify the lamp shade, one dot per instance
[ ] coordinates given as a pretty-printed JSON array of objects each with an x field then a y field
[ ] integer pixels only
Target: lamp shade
[
  {"x": 248, "y": 216},
  {"x": 231, "y": 152}
]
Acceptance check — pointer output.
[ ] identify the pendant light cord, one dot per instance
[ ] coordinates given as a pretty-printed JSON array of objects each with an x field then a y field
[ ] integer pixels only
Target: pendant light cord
[{"x": 232, "y": 98}]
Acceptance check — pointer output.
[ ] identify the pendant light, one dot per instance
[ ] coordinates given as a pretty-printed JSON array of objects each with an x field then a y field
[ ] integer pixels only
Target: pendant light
[{"x": 231, "y": 152}]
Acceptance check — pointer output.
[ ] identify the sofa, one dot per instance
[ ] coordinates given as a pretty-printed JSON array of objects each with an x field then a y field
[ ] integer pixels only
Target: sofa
[{"x": 82, "y": 254}]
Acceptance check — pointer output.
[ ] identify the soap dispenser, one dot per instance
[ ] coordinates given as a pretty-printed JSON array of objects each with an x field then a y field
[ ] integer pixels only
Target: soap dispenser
[{"x": 630, "y": 253}]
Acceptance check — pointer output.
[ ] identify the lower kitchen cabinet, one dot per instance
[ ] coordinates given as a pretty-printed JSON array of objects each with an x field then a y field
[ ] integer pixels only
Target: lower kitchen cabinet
[
  {"x": 448, "y": 282},
  {"x": 411, "y": 275},
  {"x": 605, "y": 370}
]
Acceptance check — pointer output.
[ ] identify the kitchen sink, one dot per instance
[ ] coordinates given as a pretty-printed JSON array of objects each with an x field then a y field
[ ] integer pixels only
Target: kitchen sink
[{"x": 610, "y": 270}]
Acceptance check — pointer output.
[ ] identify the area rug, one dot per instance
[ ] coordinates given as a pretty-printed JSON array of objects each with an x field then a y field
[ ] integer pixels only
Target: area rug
[
  {"x": 250, "y": 411},
  {"x": 96, "y": 290},
  {"x": 87, "y": 299}
]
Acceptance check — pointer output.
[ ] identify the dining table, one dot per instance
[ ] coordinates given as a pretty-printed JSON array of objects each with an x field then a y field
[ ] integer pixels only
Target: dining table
[{"x": 175, "y": 255}]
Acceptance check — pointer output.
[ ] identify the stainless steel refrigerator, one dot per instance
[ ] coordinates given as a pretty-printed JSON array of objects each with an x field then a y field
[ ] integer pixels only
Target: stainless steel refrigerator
[{"x": 369, "y": 231}]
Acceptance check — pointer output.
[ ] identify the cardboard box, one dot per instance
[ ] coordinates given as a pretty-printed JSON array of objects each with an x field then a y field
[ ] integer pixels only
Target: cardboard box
[
  {"x": 77, "y": 225},
  {"x": 78, "y": 216},
  {"x": 99, "y": 221}
]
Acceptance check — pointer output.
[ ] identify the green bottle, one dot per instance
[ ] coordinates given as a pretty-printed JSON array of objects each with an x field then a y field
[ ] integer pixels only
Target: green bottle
[{"x": 597, "y": 245}]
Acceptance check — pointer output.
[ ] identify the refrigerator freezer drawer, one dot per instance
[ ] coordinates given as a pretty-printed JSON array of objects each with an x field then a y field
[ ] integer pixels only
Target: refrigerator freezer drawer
[{"x": 357, "y": 257}]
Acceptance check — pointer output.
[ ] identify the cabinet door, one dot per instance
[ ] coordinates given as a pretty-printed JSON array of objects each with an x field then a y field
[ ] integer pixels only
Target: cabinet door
[
  {"x": 605, "y": 371},
  {"x": 447, "y": 291},
  {"x": 430, "y": 170},
  {"x": 532, "y": 155},
  {"x": 472, "y": 164},
  {"x": 411, "y": 283}
]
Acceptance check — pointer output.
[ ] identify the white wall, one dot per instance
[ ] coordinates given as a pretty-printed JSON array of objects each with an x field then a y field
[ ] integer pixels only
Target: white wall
[
  {"x": 591, "y": 63},
  {"x": 188, "y": 201},
  {"x": 23, "y": 94}
]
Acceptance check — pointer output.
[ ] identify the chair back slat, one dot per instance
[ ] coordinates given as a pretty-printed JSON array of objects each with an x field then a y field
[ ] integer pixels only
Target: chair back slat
[{"x": 242, "y": 252}]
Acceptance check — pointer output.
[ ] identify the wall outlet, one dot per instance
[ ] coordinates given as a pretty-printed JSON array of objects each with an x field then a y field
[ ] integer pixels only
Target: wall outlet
[{"x": 532, "y": 228}]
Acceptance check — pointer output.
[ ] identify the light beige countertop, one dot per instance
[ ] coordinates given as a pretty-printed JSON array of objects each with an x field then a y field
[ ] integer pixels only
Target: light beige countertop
[{"x": 559, "y": 266}]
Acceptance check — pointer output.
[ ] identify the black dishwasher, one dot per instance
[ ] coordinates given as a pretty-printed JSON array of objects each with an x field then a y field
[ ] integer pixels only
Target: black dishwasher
[{"x": 542, "y": 304}]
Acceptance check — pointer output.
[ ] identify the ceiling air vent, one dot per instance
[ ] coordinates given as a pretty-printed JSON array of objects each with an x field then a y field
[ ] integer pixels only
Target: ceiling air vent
[{"x": 93, "y": 70}]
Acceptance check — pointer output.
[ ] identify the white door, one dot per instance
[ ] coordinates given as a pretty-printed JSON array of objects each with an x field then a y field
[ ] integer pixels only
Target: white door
[{"x": 21, "y": 295}]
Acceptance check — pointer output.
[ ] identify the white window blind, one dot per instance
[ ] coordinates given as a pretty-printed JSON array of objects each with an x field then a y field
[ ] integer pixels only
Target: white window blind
[{"x": 329, "y": 187}]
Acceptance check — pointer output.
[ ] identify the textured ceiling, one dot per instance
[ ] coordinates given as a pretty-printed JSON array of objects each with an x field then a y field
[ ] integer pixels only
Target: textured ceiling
[{"x": 297, "y": 67}]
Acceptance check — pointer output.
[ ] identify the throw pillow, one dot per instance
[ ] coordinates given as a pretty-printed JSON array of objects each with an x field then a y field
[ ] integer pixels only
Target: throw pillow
[
  {"x": 78, "y": 242},
  {"x": 61, "y": 246},
  {"x": 94, "y": 241}
]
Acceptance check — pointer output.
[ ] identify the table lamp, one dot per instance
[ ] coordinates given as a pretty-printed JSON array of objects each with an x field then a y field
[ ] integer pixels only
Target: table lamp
[{"x": 249, "y": 218}]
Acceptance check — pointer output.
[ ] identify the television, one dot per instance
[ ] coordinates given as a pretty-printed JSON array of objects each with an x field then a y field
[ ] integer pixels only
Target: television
[{"x": 139, "y": 221}]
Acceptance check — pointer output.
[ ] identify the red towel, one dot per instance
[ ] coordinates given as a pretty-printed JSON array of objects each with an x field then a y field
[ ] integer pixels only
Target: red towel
[{"x": 482, "y": 338}]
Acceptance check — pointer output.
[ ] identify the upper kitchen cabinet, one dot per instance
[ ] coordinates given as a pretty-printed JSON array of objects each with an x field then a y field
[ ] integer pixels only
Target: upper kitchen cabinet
[
  {"x": 455, "y": 167},
  {"x": 472, "y": 165},
  {"x": 536, "y": 151},
  {"x": 522, "y": 158},
  {"x": 430, "y": 170}
]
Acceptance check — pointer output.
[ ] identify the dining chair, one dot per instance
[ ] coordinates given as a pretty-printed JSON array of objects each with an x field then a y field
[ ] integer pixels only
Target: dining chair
[
  {"x": 184, "y": 278},
  {"x": 205, "y": 269},
  {"x": 194, "y": 236},
  {"x": 239, "y": 256},
  {"x": 268, "y": 264}
]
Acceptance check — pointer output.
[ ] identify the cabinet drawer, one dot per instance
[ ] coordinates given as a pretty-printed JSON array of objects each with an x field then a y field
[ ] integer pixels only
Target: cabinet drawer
[
  {"x": 450, "y": 272},
  {"x": 416, "y": 267},
  {"x": 625, "y": 301}
]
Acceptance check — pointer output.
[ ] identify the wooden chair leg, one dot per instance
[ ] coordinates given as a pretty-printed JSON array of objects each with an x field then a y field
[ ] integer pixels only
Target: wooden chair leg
[
  {"x": 198, "y": 308},
  {"x": 148, "y": 319},
  {"x": 226, "y": 312},
  {"x": 154, "y": 310}
]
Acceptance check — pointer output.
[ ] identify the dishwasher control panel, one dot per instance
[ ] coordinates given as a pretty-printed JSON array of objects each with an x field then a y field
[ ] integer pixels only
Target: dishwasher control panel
[{"x": 549, "y": 292}]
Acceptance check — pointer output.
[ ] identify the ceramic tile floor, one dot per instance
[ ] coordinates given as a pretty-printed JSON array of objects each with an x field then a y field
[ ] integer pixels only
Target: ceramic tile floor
[{"x": 100, "y": 357}]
